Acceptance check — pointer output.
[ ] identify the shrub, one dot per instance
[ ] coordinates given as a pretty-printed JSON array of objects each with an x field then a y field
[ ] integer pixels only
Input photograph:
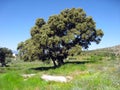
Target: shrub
[{"x": 95, "y": 58}]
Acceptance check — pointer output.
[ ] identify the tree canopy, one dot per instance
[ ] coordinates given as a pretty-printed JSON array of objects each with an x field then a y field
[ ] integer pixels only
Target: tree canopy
[{"x": 62, "y": 35}]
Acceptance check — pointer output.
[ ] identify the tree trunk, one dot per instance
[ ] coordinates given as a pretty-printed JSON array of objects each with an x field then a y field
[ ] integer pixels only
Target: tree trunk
[
  {"x": 55, "y": 65},
  {"x": 60, "y": 62},
  {"x": 3, "y": 62},
  {"x": 2, "y": 59}
]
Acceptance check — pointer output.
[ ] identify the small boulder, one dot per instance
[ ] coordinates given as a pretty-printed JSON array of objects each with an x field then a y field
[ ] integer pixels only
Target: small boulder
[
  {"x": 28, "y": 75},
  {"x": 56, "y": 78}
]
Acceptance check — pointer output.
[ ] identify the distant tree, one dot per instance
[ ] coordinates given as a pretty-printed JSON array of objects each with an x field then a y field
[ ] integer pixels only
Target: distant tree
[
  {"x": 62, "y": 35},
  {"x": 4, "y": 52}
]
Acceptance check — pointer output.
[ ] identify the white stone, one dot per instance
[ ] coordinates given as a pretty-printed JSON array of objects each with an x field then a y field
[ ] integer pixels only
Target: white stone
[
  {"x": 28, "y": 75},
  {"x": 56, "y": 78}
]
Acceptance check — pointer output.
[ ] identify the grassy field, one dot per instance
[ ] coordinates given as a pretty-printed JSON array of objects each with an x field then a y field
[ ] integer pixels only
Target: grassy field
[{"x": 91, "y": 73}]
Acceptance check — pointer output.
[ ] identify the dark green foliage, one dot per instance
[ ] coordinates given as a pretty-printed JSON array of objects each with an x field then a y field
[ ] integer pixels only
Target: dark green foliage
[
  {"x": 8, "y": 52},
  {"x": 4, "y": 52},
  {"x": 62, "y": 35}
]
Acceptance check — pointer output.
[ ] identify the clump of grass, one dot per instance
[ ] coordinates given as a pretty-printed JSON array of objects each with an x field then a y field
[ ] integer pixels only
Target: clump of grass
[
  {"x": 95, "y": 58},
  {"x": 113, "y": 57}
]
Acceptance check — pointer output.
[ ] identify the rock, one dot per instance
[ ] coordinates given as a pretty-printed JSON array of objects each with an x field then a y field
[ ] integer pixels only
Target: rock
[
  {"x": 28, "y": 75},
  {"x": 56, "y": 78}
]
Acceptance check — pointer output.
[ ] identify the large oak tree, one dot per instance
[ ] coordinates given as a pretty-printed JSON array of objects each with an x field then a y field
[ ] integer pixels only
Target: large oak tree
[{"x": 62, "y": 35}]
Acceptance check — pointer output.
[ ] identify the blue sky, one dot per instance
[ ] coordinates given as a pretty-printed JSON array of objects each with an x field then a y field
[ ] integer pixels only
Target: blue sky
[{"x": 18, "y": 16}]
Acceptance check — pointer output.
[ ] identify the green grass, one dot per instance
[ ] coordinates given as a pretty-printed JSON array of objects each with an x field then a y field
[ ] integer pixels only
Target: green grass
[
  {"x": 102, "y": 75},
  {"x": 96, "y": 81},
  {"x": 11, "y": 81}
]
